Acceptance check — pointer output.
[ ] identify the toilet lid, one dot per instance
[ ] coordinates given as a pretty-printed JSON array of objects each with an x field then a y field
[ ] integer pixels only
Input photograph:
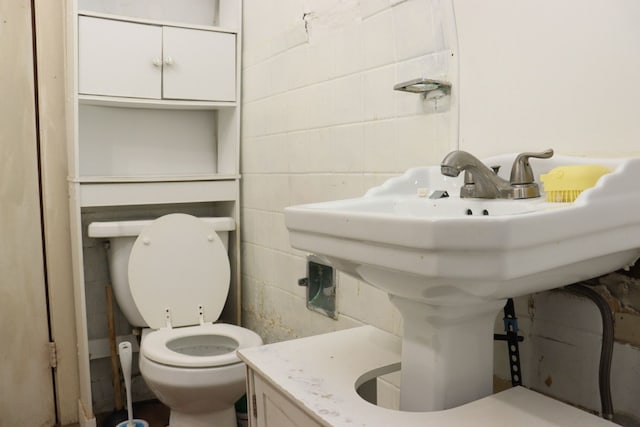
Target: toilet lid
[{"x": 177, "y": 265}]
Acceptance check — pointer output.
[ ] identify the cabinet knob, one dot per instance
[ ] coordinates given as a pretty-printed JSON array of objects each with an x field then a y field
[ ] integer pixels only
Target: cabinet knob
[
  {"x": 168, "y": 60},
  {"x": 157, "y": 62}
]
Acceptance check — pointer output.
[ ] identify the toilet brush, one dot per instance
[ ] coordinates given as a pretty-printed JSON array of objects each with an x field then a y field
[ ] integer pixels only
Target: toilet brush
[
  {"x": 119, "y": 414},
  {"x": 124, "y": 350}
]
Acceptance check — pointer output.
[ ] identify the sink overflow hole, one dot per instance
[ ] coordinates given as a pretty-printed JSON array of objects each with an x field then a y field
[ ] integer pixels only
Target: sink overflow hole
[{"x": 470, "y": 212}]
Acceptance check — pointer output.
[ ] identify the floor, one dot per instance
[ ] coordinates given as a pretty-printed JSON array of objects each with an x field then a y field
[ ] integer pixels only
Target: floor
[{"x": 153, "y": 412}]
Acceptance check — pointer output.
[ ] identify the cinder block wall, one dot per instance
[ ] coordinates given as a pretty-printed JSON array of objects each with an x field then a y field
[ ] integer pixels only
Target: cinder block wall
[{"x": 321, "y": 122}]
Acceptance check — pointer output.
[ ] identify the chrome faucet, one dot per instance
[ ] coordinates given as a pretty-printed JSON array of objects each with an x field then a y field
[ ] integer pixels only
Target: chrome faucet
[{"x": 483, "y": 182}]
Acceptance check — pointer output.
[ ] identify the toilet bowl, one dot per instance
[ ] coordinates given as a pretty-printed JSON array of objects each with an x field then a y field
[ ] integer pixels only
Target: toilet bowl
[
  {"x": 195, "y": 371},
  {"x": 172, "y": 280}
]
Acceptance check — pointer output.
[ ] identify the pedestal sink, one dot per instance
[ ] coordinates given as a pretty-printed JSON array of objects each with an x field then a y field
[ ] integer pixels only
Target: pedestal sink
[{"x": 449, "y": 264}]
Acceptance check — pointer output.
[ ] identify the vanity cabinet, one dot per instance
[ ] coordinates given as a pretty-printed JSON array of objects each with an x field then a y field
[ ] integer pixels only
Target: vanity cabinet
[
  {"x": 129, "y": 59},
  {"x": 154, "y": 128},
  {"x": 324, "y": 380},
  {"x": 333, "y": 379}
]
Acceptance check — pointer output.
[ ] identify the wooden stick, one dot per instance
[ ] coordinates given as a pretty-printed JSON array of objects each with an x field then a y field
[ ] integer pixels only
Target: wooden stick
[{"x": 117, "y": 393}]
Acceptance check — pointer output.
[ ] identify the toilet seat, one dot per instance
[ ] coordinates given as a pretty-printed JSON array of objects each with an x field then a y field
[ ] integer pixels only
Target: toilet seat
[
  {"x": 179, "y": 272},
  {"x": 216, "y": 344}
]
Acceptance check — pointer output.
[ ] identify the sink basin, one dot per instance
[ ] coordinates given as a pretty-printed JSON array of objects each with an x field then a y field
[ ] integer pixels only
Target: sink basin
[{"x": 449, "y": 264}]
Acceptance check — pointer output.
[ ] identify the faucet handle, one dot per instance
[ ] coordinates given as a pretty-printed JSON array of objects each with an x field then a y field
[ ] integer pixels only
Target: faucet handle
[{"x": 521, "y": 171}]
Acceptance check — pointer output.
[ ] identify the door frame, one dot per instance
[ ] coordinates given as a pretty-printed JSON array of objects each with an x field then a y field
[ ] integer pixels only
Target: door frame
[{"x": 49, "y": 32}]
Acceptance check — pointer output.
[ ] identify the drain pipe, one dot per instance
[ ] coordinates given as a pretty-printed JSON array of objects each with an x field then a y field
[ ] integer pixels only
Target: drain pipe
[{"x": 606, "y": 352}]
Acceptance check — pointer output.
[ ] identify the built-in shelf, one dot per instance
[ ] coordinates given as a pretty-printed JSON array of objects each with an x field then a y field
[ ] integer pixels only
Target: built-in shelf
[
  {"x": 154, "y": 104},
  {"x": 154, "y": 193},
  {"x": 125, "y": 179},
  {"x": 168, "y": 104}
]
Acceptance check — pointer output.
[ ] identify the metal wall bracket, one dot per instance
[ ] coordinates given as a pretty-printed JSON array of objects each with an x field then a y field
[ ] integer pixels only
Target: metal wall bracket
[
  {"x": 512, "y": 339},
  {"x": 321, "y": 287}
]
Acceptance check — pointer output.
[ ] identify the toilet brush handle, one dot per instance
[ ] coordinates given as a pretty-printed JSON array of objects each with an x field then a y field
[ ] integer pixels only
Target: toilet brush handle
[{"x": 124, "y": 350}]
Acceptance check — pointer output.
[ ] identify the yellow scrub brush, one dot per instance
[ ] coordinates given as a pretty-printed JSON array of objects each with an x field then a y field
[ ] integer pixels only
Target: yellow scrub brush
[{"x": 565, "y": 183}]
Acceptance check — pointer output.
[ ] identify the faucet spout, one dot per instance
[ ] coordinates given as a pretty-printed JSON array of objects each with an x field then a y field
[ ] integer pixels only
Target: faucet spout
[{"x": 486, "y": 183}]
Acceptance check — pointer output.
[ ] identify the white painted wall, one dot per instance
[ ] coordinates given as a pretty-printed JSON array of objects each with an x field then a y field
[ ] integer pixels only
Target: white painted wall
[
  {"x": 320, "y": 122},
  {"x": 539, "y": 74}
]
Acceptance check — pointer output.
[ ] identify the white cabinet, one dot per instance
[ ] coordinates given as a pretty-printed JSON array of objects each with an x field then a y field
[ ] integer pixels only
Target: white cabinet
[
  {"x": 198, "y": 64},
  {"x": 271, "y": 408},
  {"x": 128, "y": 59},
  {"x": 155, "y": 128},
  {"x": 116, "y": 58}
]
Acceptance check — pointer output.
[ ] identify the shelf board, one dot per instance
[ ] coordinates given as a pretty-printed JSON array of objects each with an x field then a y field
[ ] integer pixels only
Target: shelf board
[
  {"x": 125, "y": 193},
  {"x": 124, "y": 102},
  {"x": 152, "y": 179},
  {"x": 156, "y": 22}
]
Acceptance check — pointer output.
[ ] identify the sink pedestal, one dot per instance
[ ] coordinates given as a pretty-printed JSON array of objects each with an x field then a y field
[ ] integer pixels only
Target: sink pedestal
[{"x": 447, "y": 353}]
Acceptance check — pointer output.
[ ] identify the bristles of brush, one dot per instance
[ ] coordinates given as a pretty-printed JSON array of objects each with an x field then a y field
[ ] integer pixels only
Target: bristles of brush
[{"x": 565, "y": 196}]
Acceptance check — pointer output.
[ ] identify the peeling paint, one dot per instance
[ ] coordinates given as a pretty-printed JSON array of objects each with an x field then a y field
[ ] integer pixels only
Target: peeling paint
[
  {"x": 323, "y": 17},
  {"x": 531, "y": 308},
  {"x": 548, "y": 381},
  {"x": 622, "y": 292},
  {"x": 556, "y": 340},
  {"x": 627, "y": 328}
]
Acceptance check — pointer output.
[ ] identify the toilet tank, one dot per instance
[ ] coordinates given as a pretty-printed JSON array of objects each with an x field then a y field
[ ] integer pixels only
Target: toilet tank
[{"x": 122, "y": 235}]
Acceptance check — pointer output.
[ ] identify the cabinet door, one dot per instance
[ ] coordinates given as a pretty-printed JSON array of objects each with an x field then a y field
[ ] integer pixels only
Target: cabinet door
[
  {"x": 274, "y": 409},
  {"x": 117, "y": 58},
  {"x": 198, "y": 65}
]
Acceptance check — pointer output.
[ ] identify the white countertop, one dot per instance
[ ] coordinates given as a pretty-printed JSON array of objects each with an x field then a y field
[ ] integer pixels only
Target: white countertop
[{"x": 319, "y": 374}]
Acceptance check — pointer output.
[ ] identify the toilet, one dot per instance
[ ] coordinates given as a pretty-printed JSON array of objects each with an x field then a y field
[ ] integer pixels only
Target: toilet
[{"x": 171, "y": 277}]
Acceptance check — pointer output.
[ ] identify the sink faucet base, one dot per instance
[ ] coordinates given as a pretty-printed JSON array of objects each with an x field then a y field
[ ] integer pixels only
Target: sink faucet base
[{"x": 486, "y": 183}]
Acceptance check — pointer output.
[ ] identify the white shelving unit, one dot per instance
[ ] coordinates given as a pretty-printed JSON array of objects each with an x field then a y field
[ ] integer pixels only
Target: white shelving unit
[{"x": 153, "y": 106}]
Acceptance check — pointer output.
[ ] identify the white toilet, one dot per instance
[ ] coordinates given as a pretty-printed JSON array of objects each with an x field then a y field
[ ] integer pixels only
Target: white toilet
[{"x": 171, "y": 277}]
